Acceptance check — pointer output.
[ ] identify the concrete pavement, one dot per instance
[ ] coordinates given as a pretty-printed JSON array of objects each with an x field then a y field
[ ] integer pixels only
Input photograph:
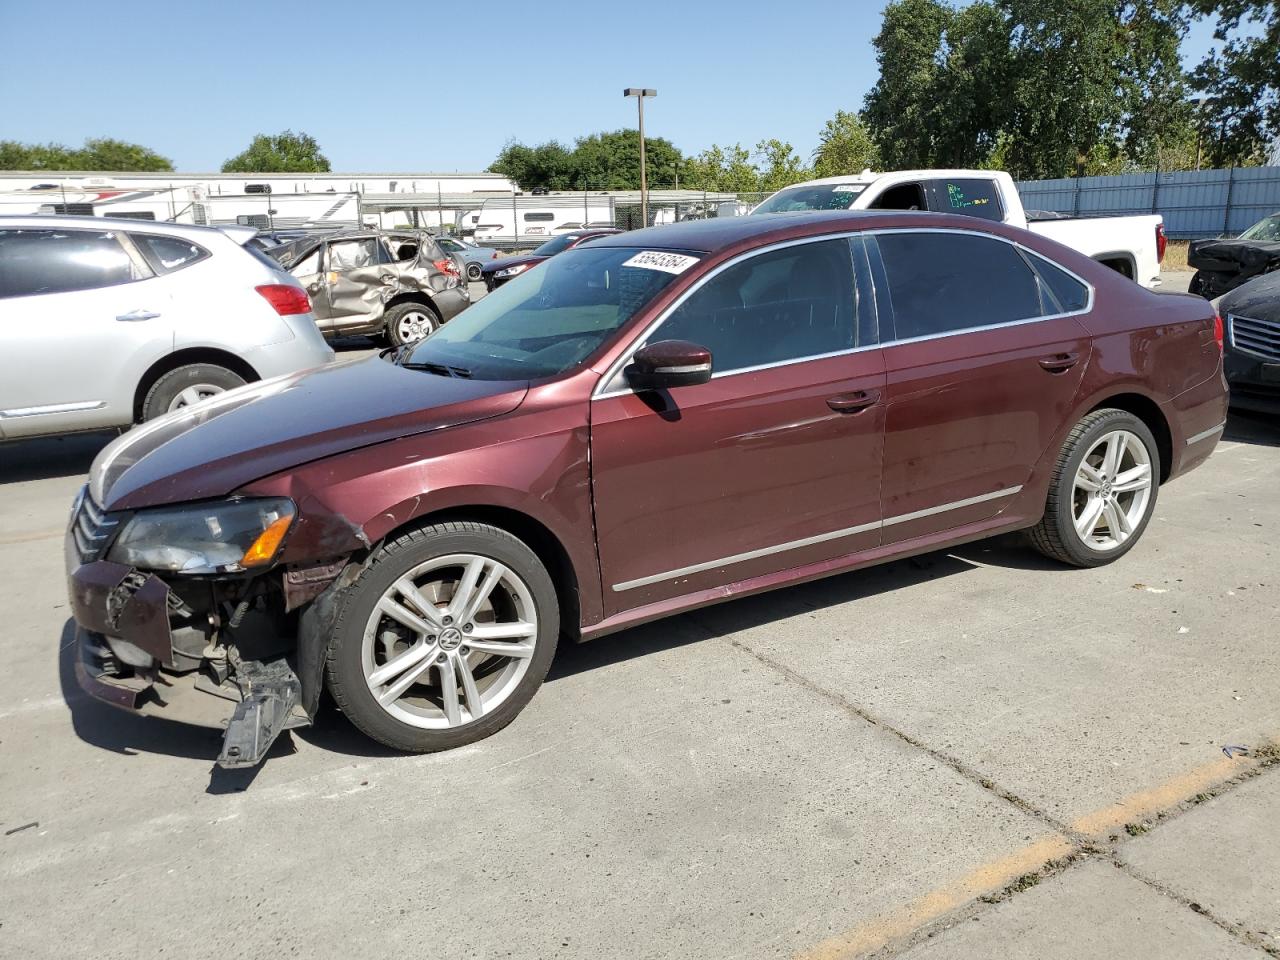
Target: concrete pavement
[{"x": 970, "y": 753}]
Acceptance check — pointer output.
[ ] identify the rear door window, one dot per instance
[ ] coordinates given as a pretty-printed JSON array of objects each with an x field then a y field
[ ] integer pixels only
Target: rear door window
[
  {"x": 776, "y": 307},
  {"x": 940, "y": 283},
  {"x": 969, "y": 198},
  {"x": 42, "y": 261}
]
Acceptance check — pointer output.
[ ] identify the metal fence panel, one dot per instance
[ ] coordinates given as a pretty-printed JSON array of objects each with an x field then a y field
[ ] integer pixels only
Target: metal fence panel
[{"x": 1194, "y": 203}]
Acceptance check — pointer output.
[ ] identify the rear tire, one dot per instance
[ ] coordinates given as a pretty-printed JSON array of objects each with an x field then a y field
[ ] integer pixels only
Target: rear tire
[
  {"x": 411, "y": 322},
  {"x": 1103, "y": 490},
  {"x": 474, "y": 272},
  {"x": 186, "y": 385},
  {"x": 453, "y": 686}
]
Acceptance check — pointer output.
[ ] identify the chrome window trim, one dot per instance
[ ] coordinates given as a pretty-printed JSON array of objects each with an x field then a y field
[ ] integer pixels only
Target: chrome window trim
[
  {"x": 810, "y": 541},
  {"x": 1206, "y": 434},
  {"x": 599, "y": 393}
]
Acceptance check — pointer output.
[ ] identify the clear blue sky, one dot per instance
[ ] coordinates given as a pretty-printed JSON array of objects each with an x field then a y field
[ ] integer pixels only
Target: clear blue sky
[{"x": 195, "y": 81}]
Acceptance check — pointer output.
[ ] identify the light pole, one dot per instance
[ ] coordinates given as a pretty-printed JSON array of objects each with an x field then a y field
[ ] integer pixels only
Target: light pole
[{"x": 640, "y": 93}]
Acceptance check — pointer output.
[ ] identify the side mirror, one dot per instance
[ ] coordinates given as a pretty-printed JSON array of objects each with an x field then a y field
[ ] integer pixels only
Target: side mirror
[{"x": 669, "y": 363}]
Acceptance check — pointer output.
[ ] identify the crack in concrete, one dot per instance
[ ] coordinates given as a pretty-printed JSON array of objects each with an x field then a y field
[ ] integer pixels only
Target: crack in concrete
[{"x": 1084, "y": 847}]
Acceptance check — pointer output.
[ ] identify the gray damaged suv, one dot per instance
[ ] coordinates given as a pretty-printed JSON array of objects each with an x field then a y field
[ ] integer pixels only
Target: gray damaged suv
[
  {"x": 401, "y": 284},
  {"x": 111, "y": 322}
]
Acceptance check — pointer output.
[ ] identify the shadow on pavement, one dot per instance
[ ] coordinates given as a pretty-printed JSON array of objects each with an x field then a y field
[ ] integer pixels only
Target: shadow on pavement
[
  {"x": 1247, "y": 427},
  {"x": 44, "y": 458}
]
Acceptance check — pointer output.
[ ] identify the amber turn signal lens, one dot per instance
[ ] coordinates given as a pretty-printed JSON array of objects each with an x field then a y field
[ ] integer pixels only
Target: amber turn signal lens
[{"x": 268, "y": 542}]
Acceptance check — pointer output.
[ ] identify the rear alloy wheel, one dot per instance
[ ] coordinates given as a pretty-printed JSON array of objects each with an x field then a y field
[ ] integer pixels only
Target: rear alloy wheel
[
  {"x": 474, "y": 272},
  {"x": 180, "y": 388},
  {"x": 1103, "y": 491},
  {"x": 410, "y": 322},
  {"x": 444, "y": 637}
]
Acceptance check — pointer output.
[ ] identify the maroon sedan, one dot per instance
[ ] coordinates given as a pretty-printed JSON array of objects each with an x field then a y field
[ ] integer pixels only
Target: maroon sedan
[
  {"x": 497, "y": 272},
  {"x": 647, "y": 424}
]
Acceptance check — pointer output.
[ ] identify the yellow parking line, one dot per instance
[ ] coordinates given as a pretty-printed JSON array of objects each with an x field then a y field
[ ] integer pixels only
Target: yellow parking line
[
  {"x": 994, "y": 876},
  {"x": 985, "y": 879},
  {"x": 1101, "y": 823}
]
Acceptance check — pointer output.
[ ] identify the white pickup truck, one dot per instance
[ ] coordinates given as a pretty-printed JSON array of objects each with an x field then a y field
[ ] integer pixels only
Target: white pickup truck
[{"x": 1132, "y": 245}]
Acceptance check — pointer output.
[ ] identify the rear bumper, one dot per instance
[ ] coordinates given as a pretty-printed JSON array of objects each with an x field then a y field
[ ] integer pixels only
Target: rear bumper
[{"x": 452, "y": 302}]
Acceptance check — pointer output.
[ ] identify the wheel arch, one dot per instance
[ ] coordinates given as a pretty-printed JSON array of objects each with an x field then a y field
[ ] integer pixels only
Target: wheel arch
[
  {"x": 1149, "y": 412},
  {"x": 185, "y": 357},
  {"x": 536, "y": 535},
  {"x": 420, "y": 297},
  {"x": 1121, "y": 261}
]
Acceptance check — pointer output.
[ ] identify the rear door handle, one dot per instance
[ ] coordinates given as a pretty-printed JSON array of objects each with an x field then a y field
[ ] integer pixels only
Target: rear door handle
[
  {"x": 1060, "y": 363},
  {"x": 134, "y": 315},
  {"x": 854, "y": 402}
]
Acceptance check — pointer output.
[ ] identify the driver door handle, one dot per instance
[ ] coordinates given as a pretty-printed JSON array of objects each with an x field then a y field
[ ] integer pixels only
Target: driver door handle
[
  {"x": 134, "y": 315},
  {"x": 854, "y": 402},
  {"x": 1060, "y": 363}
]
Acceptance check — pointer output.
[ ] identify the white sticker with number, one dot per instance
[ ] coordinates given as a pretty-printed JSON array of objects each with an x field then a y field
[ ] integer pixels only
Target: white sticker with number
[
  {"x": 657, "y": 260},
  {"x": 847, "y": 188}
]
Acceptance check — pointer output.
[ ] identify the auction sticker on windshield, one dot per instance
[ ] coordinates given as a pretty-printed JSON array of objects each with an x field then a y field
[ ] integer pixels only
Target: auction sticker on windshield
[{"x": 657, "y": 260}]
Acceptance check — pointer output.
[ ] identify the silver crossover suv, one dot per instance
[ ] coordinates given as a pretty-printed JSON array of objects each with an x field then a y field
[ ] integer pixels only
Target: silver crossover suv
[{"x": 110, "y": 322}]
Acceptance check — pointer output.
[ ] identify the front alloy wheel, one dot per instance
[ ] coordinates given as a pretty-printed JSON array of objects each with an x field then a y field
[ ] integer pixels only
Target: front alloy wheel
[{"x": 443, "y": 636}]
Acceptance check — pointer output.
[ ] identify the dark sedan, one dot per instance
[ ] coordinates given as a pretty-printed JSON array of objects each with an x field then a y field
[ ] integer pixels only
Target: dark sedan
[
  {"x": 647, "y": 424},
  {"x": 498, "y": 272},
  {"x": 1223, "y": 265},
  {"x": 1252, "y": 316}
]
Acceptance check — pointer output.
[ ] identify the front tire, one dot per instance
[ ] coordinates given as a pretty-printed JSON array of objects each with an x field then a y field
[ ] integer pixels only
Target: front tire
[
  {"x": 444, "y": 637},
  {"x": 186, "y": 385},
  {"x": 1103, "y": 490}
]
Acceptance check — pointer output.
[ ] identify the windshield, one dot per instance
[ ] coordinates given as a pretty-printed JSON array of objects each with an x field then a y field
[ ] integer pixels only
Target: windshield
[
  {"x": 1265, "y": 229},
  {"x": 550, "y": 319},
  {"x": 555, "y": 245},
  {"x": 829, "y": 196}
]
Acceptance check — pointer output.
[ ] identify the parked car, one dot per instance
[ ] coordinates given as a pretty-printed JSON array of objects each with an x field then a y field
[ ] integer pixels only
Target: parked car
[
  {"x": 392, "y": 283},
  {"x": 1223, "y": 265},
  {"x": 647, "y": 424},
  {"x": 1252, "y": 316},
  {"x": 473, "y": 257},
  {"x": 497, "y": 272},
  {"x": 111, "y": 322},
  {"x": 1133, "y": 246}
]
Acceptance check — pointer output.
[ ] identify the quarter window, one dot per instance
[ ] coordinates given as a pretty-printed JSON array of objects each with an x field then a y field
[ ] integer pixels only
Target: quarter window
[
  {"x": 778, "y": 306},
  {"x": 62, "y": 261},
  {"x": 943, "y": 282},
  {"x": 308, "y": 265},
  {"x": 168, "y": 253},
  {"x": 1070, "y": 293}
]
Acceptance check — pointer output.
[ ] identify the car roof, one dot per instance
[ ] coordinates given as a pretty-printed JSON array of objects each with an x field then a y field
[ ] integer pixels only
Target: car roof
[
  {"x": 718, "y": 233},
  {"x": 188, "y": 230}
]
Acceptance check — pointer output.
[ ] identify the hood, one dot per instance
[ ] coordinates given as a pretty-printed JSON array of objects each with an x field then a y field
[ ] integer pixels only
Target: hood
[
  {"x": 260, "y": 429},
  {"x": 1232, "y": 255},
  {"x": 1259, "y": 299},
  {"x": 503, "y": 262}
]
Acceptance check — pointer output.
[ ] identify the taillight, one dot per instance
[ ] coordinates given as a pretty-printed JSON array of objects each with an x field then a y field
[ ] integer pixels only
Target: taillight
[
  {"x": 1161, "y": 242},
  {"x": 284, "y": 299},
  {"x": 447, "y": 267},
  {"x": 1218, "y": 333}
]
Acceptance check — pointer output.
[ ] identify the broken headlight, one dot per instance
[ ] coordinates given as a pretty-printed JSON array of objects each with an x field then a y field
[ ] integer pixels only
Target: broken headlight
[{"x": 225, "y": 537}]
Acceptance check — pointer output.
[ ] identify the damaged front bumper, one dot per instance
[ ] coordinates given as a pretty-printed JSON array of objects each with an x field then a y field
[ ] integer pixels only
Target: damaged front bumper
[{"x": 141, "y": 640}]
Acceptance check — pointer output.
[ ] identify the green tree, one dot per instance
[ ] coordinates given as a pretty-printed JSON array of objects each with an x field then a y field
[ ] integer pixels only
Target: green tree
[
  {"x": 1240, "y": 115},
  {"x": 844, "y": 146},
  {"x": 96, "y": 154},
  {"x": 286, "y": 152},
  {"x": 548, "y": 166},
  {"x": 779, "y": 165},
  {"x": 721, "y": 169},
  {"x": 611, "y": 161}
]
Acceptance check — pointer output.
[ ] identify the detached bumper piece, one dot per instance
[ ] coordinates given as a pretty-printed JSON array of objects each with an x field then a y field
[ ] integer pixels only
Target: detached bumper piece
[{"x": 270, "y": 693}]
